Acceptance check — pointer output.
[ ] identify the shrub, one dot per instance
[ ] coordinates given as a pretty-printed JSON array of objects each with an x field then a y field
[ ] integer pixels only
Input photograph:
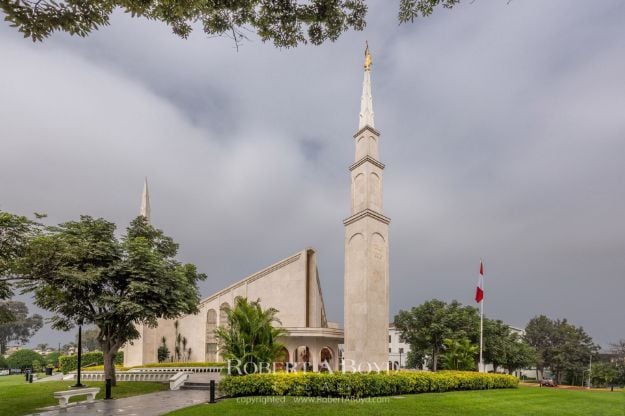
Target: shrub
[
  {"x": 37, "y": 367},
  {"x": 361, "y": 384},
  {"x": 24, "y": 359},
  {"x": 69, "y": 363},
  {"x": 3, "y": 362},
  {"x": 53, "y": 358}
]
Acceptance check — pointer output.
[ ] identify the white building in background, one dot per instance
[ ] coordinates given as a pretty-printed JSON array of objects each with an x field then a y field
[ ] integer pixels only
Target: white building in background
[{"x": 397, "y": 350}]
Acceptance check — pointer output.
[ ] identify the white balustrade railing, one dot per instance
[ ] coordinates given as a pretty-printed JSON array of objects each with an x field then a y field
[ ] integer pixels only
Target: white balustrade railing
[
  {"x": 175, "y": 376},
  {"x": 125, "y": 376},
  {"x": 177, "y": 370}
]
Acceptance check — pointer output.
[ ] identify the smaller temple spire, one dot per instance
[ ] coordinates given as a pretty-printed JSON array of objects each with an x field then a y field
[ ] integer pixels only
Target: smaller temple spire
[
  {"x": 145, "y": 201},
  {"x": 366, "y": 101}
]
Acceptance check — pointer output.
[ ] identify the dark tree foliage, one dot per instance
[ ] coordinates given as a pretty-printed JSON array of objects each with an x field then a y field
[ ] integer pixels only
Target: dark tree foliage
[
  {"x": 83, "y": 273},
  {"x": 21, "y": 327},
  {"x": 618, "y": 350},
  {"x": 25, "y": 359},
  {"x": 563, "y": 348},
  {"x": 89, "y": 339},
  {"x": 285, "y": 23},
  {"x": 425, "y": 327},
  {"x": 15, "y": 232}
]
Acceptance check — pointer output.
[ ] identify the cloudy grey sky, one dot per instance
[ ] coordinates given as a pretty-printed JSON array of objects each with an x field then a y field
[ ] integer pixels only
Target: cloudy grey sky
[{"x": 503, "y": 132}]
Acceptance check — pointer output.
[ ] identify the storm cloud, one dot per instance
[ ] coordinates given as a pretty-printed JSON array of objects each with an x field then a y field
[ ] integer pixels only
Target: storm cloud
[{"x": 503, "y": 133}]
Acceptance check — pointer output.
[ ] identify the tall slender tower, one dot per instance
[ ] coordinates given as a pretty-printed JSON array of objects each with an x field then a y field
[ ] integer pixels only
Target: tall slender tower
[
  {"x": 366, "y": 247},
  {"x": 145, "y": 201}
]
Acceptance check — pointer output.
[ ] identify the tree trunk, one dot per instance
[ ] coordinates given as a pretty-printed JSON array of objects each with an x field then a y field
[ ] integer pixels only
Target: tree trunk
[
  {"x": 109, "y": 365},
  {"x": 434, "y": 360}
]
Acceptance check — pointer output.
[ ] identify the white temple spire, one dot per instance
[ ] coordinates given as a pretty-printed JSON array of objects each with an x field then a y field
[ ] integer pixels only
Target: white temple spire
[
  {"x": 145, "y": 201},
  {"x": 366, "y": 101}
]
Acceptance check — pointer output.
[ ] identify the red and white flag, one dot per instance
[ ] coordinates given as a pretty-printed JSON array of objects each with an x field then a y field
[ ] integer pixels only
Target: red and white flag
[{"x": 479, "y": 292}]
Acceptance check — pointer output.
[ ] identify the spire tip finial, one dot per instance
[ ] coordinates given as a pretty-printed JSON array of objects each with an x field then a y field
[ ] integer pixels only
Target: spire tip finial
[
  {"x": 368, "y": 60},
  {"x": 145, "y": 200}
]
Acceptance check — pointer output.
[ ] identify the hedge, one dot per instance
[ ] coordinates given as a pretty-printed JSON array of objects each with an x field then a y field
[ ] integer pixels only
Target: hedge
[
  {"x": 53, "y": 358},
  {"x": 24, "y": 359},
  {"x": 69, "y": 363},
  {"x": 361, "y": 384}
]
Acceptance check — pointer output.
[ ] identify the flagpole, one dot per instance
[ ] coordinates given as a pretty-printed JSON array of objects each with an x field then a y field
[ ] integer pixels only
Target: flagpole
[
  {"x": 481, "y": 369},
  {"x": 481, "y": 365}
]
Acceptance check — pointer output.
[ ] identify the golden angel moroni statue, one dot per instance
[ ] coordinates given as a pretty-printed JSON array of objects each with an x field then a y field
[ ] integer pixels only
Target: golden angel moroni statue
[{"x": 368, "y": 60}]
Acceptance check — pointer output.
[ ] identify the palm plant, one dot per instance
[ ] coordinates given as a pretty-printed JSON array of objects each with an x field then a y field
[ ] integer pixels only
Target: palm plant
[
  {"x": 459, "y": 354},
  {"x": 163, "y": 351},
  {"x": 250, "y": 335},
  {"x": 184, "y": 348},
  {"x": 178, "y": 348}
]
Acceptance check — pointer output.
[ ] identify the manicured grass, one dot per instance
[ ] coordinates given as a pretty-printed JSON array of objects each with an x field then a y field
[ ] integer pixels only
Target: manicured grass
[
  {"x": 19, "y": 398},
  {"x": 524, "y": 401}
]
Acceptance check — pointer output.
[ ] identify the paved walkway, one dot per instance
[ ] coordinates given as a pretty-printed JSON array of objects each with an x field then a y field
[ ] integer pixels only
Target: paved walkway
[{"x": 145, "y": 405}]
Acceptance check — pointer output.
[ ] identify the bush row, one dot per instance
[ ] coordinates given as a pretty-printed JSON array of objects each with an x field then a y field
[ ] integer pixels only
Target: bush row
[
  {"x": 26, "y": 358},
  {"x": 69, "y": 363},
  {"x": 361, "y": 384}
]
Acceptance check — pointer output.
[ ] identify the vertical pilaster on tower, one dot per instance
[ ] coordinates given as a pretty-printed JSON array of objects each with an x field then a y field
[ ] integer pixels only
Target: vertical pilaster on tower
[{"x": 366, "y": 277}]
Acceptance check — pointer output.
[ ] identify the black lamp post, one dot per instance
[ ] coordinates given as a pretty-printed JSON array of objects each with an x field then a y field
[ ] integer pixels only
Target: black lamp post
[{"x": 79, "y": 358}]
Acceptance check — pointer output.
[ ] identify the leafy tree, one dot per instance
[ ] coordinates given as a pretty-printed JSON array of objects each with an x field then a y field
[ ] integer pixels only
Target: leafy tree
[
  {"x": 540, "y": 333},
  {"x": 53, "y": 358},
  {"x": 3, "y": 362},
  {"x": 564, "y": 348},
  {"x": 459, "y": 354},
  {"x": 496, "y": 342},
  {"x": 603, "y": 374},
  {"x": 69, "y": 347},
  {"x": 425, "y": 327},
  {"x": 518, "y": 353},
  {"x": 618, "y": 350},
  {"x": 90, "y": 339},
  {"x": 573, "y": 348},
  {"x": 24, "y": 359},
  {"x": 15, "y": 231},
  {"x": 250, "y": 335},
  {"x": 21, "y": 328},
  {"x": 85, "y": 274},
  {"x": 286, "y": 23},
  {"x": 415, "y": 359}
]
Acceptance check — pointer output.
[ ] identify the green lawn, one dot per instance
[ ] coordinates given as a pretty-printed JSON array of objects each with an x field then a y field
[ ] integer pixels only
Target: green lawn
[
  {"x": 19, "y": 398},
  {"x": 524, "y": 401}
]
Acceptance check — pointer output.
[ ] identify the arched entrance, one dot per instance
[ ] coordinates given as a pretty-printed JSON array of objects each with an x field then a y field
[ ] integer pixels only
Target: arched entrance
[
  {"x": 326, "y": 362},
  {"x": 302, "y": 358},
  {"x": 282, "y": 359}
]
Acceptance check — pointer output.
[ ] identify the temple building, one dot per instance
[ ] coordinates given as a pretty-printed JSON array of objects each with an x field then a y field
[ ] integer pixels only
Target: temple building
[{"x": 292, "y": 285}]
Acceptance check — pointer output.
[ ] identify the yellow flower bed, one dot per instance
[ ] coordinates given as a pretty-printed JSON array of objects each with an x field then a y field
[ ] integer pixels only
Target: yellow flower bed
[{"x": 361, "y": 384}]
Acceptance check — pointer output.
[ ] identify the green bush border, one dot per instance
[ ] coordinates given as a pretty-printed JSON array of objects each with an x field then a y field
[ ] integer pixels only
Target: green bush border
[
  {"x": 69, "y": 363},
  {"x": 361, "y": 384}
]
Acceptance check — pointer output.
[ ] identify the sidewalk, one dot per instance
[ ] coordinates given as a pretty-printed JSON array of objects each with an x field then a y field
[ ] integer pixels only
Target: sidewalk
[{"x": 145, "y": 405}]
